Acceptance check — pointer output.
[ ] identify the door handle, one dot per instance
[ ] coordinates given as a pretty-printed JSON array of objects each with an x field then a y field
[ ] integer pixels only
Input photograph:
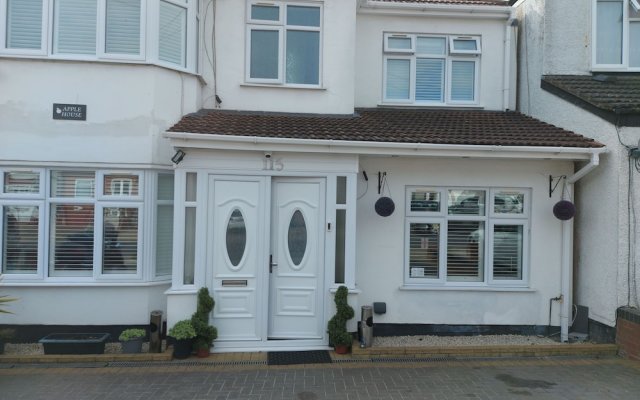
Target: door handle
[{"x": 271, "y": 263}]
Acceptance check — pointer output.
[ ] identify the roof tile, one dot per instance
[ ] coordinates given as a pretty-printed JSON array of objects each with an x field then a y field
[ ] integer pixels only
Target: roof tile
[
  {"x": 465, "y": 2},
  {"x": 463, "y": 127}
]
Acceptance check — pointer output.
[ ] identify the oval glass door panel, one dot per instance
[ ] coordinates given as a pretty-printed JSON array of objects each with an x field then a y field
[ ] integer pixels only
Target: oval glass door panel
[
  {"x": 236, "y": 237},
  {"x": 297, "y": 239}
]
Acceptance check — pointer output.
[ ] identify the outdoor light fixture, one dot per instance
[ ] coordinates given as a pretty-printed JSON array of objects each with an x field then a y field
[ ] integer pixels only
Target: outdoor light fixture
[{"x": 178, "y": 156}]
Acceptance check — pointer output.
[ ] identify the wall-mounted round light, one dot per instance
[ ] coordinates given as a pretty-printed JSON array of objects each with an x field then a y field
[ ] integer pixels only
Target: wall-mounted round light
[
  {"x": 385, "y": 206},
  {"x": 564, "y": 210}
]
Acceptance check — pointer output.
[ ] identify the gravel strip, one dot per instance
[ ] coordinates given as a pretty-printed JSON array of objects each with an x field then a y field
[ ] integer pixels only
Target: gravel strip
[
  {"x": 479, "y": 340},
  {"x": 32, "y": 349}
]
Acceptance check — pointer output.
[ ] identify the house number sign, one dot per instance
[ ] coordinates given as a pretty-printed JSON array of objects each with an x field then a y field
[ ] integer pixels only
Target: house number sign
[
  {"x": 269, "y": 164},
  {"x": 73, "y": 112}
]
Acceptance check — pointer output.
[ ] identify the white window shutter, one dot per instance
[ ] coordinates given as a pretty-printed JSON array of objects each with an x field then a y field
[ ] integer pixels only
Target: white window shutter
[
  {"x": 24, "y": 24},
  {"x": 122, "y": 34},
  {"x": 429, "y": 79},
  {"x": 172, "y": 35},
  {"x": 398, "y": 79},
  {"x": 75, "y": 26},
  {"x": 463, "y": 80}
]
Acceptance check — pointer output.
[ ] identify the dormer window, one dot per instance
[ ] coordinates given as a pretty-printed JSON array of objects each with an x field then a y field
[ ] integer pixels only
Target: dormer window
[
  {"x": 617, "y": 35},
  {"x": 284, "y": 43},
  {"x": 431, "y": 69}
]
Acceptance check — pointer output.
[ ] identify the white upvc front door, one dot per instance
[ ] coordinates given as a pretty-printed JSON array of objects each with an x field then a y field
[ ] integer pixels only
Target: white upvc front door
[{"x": 266, "y": 257}]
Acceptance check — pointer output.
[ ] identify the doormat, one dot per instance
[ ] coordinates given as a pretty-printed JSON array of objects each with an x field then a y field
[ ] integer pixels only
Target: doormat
[{"x": 298, "y": 357}]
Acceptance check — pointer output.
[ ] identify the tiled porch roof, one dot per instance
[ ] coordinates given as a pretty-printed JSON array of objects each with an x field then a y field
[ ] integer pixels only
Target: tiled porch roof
[{"x": 463, "y": 127}]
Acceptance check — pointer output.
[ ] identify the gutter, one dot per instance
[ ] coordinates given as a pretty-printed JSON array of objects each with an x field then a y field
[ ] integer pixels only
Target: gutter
[
  {"x": 432, "y": 9},
  {"x": 506, "y": 88},
  {"x": 257, "y": 143},
  {"x": 566, "y": 273}
]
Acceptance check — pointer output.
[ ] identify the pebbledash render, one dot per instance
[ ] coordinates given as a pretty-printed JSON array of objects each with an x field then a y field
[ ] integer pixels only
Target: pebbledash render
[{"x": 275, "y": 152}]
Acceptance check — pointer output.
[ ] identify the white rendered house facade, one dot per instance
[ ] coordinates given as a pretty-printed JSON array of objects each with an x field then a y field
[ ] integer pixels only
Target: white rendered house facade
[{"x": 309, "y": 113}]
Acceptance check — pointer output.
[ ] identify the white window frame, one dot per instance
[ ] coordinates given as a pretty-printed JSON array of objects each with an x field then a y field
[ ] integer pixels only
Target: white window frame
[
  {"x": 449, "y": 56},
  {"x": 388, "y": 49},
  {"x": 101, "y": 36},
  {"x": 39, "y": 273},
  {"x": 42, "y": 51},
  {"x": 99, "y": 241},
  {"x": 282, "y": 27},
  {"x": 18, "y": 196},
  {"x": 153, "y": 234},
  {"x": 102, "y": 175},
  {"x": 624, "y": 66},
  {"x": 490, "y": 219}
]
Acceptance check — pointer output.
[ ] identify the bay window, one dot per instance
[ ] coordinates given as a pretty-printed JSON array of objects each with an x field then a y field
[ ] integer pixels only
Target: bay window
[
  {"x": 431, "y": 69},
  {"x": 283, "y": 43},
  {"x": 466, "y": 236},
  {"x": 84, "y": 224},
  {"x": 616, "y": 34}
]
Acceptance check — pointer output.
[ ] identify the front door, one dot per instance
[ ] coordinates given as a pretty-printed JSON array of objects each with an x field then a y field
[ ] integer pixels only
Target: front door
[
  {"x": 267, "y": 261},
  {"x": 296, "y": 259}
]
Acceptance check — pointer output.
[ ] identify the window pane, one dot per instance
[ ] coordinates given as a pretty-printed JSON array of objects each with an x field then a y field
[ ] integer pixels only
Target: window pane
[
  {"x": 189, "y": 245},
  {"x": 236, "y": 237},
  {"x": 465, "y": 251},
  {"x": 398, "y": 79},
  {"x": 507, "y": 251},
  {"x": 71, "y": 239},
  {"x": 172, "y": 35},
  {"x": 303, "y": 16},
  {"x": 609, "y": 32},
  {"x": 429, "y": 79},
  {"x": 123, "y": 27},
  {"x": 192, "y": 186},
  {"x": 164, "y": 239},
  {"x": 165, "y": 187},
  {"x": 120, "y": 240},
  {"x": 303, "y": 57},
  {"x": 634, "y": 43},
  {"x": 75, "y": 26},
  {"x": 508, "y": 203},
  {"x": 72, "y": 184},
  {"x": 400, "y": 43},
  {"x": 24, "y": 24},
  {"x": 265, "y": 13},
  {"x": 466, "y": 202},
  {"x": 431, "y": 45},
  {"x": 341, "y": 223},
  {"x": 341, "y": 190},
  {"x": 424, "y": 250},
  {"x": 465, "y": 45},
  {"x": 463, "y": 80},
  {"x": 26, "y": 182},
  {"x": 425, "y": 201},
  {"x": 20, "y": 239},
  {"x": 264, "y": 54},
  {"x": 121, "y": 185},
  {"x": 297, "y": 237}
]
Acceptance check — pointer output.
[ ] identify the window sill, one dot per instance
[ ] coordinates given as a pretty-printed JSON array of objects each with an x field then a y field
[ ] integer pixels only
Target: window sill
[
  {"x": 266, "y": 85},
  {"x": 466, "y": 288},
  {"x": 431, "y": 106},
  {"x": 8, "y": 283}
]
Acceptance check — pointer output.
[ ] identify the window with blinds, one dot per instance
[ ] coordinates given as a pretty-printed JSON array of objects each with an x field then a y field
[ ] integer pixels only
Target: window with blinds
[
  {"x": 74, "y": 26},
  {"x": 479, "y": 238},
  {"x": 24, "y": 24},
  {"x": 20, "y": 239},
  {"x": 122, "y": 30},
  {"x": 119, "y": 240},
  {"x": 164, "y": 225},
  {"x": 430, "y": 69},
  {"x": 71, "y": 239},
  {"x": 172, "y": 36}
]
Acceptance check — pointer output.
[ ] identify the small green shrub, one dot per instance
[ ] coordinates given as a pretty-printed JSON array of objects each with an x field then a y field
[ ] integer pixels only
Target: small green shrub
[
  {"x": 4, "y": 299},
  {"x": 337, "y": 326},
  {"x": 130, "y": 334},
  {"x": 182, "y": 330},
  {"x": 205, "y": 333}
]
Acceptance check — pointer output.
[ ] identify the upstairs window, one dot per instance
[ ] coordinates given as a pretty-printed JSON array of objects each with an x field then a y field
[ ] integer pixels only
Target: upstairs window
[
  {"x": 431, "y": 69},
  {"x": 283, "y": 43},
  {"x": 617, "y": 34},
  {"x": 24, "y": 21}
]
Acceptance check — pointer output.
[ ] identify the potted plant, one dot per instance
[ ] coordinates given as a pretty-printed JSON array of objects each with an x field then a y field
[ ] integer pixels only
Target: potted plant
[
  {"x": 182, "y": 333},
  {"x": 5, "y": 335},
  {"x": 339, "y": 338},
  {"x": 205, "y": 333},
  {"x": 132, "y": 340},
  {"x": 3, "y": 300}
]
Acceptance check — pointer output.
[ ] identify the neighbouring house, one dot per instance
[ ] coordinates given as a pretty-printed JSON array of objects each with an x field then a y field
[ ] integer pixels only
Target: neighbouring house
[
  {"x": 371, "y": 144},
  {"x": 579, "y": 69}
]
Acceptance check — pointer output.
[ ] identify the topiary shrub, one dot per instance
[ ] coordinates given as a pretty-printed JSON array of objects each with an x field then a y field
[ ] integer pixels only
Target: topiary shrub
[
  {"x": 337, "y": 326},
  {"x": 205, "y": 333}
]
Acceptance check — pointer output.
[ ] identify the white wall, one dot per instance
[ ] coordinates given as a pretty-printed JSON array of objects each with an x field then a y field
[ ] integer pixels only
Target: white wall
[
  {"x": 128, "y": 108},
  {"x": 369, "y": 65},
  {"x": 83, "y": 305},
  {"x": 337, "y": 70},
  {"x": 380, "y": 244}
]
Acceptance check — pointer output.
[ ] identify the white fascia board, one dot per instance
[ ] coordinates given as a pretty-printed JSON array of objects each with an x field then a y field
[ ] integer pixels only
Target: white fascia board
[
  {"x": 436, "y": 10},
  {"x": 187, "y": 140}
]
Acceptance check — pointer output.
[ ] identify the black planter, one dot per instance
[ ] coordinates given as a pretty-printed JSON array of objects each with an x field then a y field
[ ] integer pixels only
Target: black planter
[
  {"x": 74, "y": 343},
  {"x": 1, "y": 346},
  {"x": 132, "y": 346},
  {"x": 182, "y": 348}
]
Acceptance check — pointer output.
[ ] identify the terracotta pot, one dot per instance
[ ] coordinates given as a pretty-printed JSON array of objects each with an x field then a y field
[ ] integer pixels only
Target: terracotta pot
[
  {"x": 203, "y": 352},
  {"x": 342, "y": 349}
]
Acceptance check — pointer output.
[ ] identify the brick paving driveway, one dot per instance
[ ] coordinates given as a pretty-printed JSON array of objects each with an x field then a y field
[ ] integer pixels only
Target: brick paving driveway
[{"x": 496, "y": 379}]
